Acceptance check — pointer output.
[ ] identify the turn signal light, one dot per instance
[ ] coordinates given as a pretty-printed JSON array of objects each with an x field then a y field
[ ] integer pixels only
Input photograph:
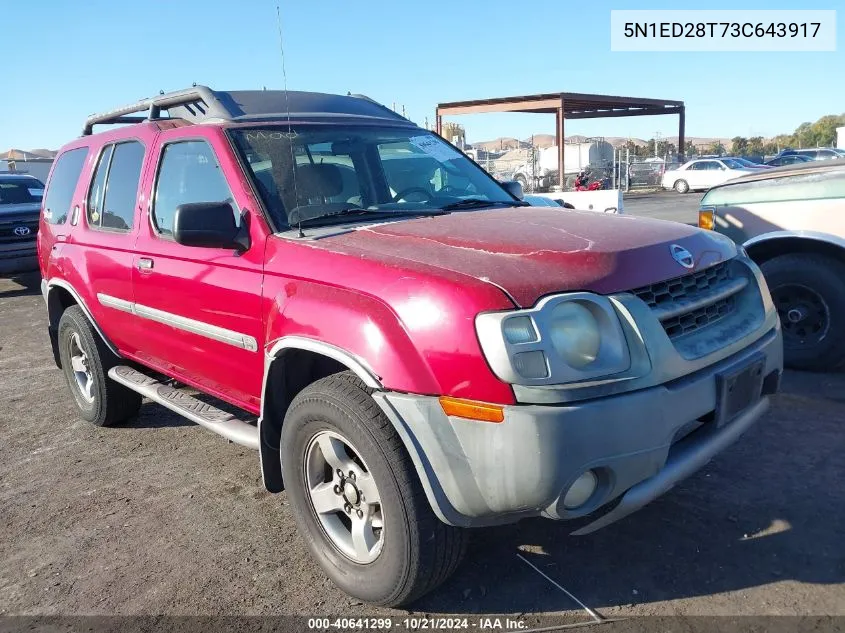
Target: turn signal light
[
  {"x": 472, "y": 409},
  {"x": 705, "y": 219}
]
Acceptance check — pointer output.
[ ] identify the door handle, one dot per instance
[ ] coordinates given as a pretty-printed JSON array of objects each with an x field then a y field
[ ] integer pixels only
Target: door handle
[{"x": 145, "y": 263}]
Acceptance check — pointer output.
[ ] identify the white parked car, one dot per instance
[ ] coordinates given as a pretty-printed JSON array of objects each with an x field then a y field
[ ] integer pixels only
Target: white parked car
[{"x": 704, "y": 173}]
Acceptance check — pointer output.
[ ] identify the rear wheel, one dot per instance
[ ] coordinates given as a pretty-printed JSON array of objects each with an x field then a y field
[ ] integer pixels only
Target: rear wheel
[
  {"x": 682, "y": 186},
  {"x": 808, "y": 291},
  {"x": 357, "y": 498},
  {"x": 85, "y": 363}
]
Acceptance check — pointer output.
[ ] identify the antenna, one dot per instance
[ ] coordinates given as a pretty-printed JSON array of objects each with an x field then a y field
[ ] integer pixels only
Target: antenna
[{"x": 287, "y": 108}]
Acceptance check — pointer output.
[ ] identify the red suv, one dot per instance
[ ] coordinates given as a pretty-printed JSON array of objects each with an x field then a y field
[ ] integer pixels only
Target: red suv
[{"x": 415, "y": 351}]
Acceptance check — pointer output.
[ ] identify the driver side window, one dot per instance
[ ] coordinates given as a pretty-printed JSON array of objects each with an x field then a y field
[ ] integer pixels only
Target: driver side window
[{"x": 188, "y": 172}]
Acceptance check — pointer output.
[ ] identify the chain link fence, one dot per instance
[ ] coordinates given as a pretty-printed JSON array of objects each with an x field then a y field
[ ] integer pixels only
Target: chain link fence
[{"x": 535, "y": 168}]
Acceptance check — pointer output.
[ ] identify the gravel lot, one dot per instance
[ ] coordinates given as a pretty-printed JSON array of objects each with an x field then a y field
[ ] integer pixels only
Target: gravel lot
[{"x": 162, "y": 517}]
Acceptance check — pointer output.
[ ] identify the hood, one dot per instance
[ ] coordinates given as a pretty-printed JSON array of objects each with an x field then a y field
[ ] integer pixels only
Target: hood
[
  {"x": 17, "y": 211},
  {"x": 533, "y": 251}
]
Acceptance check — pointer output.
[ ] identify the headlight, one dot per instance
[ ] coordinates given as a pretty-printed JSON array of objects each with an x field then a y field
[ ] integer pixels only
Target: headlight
[
  {"x": 564, "y": 338},
  {"x": 575, "y": 334}
]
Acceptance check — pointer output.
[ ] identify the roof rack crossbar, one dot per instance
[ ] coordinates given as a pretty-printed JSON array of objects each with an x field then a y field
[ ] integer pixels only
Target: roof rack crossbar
[
  {"x": 201, "y": 103},
  {"x": 202, "y": 97}
]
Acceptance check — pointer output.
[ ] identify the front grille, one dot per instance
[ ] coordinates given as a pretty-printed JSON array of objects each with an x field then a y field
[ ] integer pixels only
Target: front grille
[
  {"x": 680, "y": 287},
  {"x": 8, "y": 235},
  {"x": 692, "y": 302},
  {"x": 700, "y": 318}
]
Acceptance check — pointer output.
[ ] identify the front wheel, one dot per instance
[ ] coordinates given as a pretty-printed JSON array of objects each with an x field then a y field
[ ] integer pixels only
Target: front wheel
[
  {"x": 681, "y": 186},
  {"x": 808, "y": 291},
  {"x": 357, "y": 498}
]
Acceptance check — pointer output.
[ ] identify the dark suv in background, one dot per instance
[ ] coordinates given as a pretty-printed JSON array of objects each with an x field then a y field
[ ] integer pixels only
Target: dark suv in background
[{"x": 20, "y": 205}]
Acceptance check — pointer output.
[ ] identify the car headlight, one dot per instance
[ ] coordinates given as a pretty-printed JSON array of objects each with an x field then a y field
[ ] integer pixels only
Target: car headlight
[{"x": 564, "y": 338}]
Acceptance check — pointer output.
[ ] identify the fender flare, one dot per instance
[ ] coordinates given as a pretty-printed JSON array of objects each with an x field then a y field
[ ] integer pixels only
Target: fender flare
[
  {"x": 268, "y": 435},
  {"x": 270, "y": 458},
  {"x": 47, "y": 285},
  {"x": 817, "y": 236}
]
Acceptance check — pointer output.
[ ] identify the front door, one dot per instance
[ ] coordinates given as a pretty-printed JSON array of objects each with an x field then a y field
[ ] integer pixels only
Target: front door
[{"x": 199, "y": 309}]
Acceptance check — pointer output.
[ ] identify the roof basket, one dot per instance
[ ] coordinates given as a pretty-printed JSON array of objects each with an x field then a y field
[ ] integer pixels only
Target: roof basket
[{"x": 201, "y": 103}]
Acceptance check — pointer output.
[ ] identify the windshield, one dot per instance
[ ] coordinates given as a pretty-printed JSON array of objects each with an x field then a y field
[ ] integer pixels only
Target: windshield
[
  {"x": 732, "y": 163},
  {"x": 340, "y": 170},
  {"x": 21, "y": 191}
]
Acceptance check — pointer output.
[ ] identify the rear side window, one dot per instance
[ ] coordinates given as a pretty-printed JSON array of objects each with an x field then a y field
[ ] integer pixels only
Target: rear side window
[
  {"x": 114, "y": 191},
  {"x": 98, "y": 187},
  {"x": 63, "y": 184},
  {"x": 188, "y": 172}
]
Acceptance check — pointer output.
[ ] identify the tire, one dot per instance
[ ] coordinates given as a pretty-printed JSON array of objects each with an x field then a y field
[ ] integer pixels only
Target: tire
[
  {"x": 809, "y": 293},
  {"x": 414, "y": 551},
  {"x": 101, "y": 401},
  {"x": 681, "y": 186}
]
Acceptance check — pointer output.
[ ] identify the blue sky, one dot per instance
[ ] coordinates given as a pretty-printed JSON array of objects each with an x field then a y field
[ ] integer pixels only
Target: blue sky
[{"x": 63, "y": 62}]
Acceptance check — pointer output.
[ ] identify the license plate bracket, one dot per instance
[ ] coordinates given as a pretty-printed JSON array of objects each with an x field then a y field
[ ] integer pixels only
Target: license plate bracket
[{"x": 738, "y": 389}]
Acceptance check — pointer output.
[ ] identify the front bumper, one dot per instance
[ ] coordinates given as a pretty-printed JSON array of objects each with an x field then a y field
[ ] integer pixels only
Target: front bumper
[
  {"x": 640, "y": 443},
  {"x": 18, "y": 258}
]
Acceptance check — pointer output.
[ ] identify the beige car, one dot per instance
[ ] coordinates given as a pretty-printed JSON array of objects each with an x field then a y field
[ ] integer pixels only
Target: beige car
[{"x": 791, "y": 220}]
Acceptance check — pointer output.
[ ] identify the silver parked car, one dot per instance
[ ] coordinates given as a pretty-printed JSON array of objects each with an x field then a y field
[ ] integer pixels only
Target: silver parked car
[{"x": 791, "y": 220}]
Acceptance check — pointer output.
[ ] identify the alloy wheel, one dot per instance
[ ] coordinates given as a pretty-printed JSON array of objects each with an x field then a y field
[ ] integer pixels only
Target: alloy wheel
[
  {"x": 80, "y": 364},
  {"x": 344, "y": 497}
]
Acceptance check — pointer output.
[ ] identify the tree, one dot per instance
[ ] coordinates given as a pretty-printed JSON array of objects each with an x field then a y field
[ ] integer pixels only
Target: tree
[
  {"x": 715, "y": 148},
  {"x": 689, "y": 149},
  {"x": 824, "y": 130},
  {"x": 739, "y": 146},
  {"x": 756, "y": 146},
  {"x": 632, "y": 147}
]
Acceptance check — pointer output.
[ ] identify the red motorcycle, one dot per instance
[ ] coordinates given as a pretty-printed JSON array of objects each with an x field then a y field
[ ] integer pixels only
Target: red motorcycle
[{"x": 582, "y": 182}]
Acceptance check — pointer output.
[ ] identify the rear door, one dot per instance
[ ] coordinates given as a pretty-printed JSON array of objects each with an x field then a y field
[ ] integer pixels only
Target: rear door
[
  {"x": 692, "y": 174},
  {"x": 199, "y": 309},
  {"x": 104, "y": 237}
]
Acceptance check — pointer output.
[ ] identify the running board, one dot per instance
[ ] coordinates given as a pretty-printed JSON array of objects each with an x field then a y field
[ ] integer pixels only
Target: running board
[{"x": 195, "y": 410}]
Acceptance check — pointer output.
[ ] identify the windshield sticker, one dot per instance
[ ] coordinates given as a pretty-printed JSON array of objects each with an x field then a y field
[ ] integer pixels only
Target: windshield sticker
[{"x": 435, "y": 148}]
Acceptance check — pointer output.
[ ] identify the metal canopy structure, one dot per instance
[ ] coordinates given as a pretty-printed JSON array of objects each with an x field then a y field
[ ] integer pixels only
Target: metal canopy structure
[{"x": 570, "y": 105}]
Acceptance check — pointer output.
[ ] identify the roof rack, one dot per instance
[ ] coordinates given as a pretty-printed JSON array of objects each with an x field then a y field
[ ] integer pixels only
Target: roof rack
[{"x": 202, "y": 104}]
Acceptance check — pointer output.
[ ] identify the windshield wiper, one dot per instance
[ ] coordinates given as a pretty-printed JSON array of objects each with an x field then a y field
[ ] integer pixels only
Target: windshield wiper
[
  {"x": 361, "y": 211},
  {"x": 477, "y": 203}
]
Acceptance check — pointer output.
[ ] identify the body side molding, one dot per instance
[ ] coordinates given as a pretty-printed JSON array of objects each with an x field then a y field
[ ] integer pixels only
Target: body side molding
[{"x": 214, "y": 332}]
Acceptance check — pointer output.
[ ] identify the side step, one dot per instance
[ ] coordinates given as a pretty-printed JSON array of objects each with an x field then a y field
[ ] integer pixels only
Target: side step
[{"x": 187, "y": 406}]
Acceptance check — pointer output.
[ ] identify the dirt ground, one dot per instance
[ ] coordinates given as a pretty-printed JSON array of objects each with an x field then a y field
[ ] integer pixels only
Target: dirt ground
[{"x": 162, "y": 517}]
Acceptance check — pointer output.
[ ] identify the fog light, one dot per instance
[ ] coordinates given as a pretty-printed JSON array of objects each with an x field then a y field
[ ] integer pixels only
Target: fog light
[{"x": 580, "y": 492}]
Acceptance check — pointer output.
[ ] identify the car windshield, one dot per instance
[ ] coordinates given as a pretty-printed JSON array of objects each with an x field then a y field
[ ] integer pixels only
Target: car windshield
[
  {"x": 320, "y": 173},
  {"x": 21, "y": 191},
  {"x": 732, "y": 163}
]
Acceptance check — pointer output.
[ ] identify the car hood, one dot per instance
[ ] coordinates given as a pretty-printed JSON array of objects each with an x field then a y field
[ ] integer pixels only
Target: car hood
[
  {"x": 532, "y": 251},
  {"x": 15, "y": 211}
]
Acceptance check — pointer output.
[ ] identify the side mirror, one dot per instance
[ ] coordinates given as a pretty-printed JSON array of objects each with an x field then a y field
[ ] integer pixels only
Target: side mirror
[
  {"x": 209, "y": 225},
  {"x": 514, "y": 188}
]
